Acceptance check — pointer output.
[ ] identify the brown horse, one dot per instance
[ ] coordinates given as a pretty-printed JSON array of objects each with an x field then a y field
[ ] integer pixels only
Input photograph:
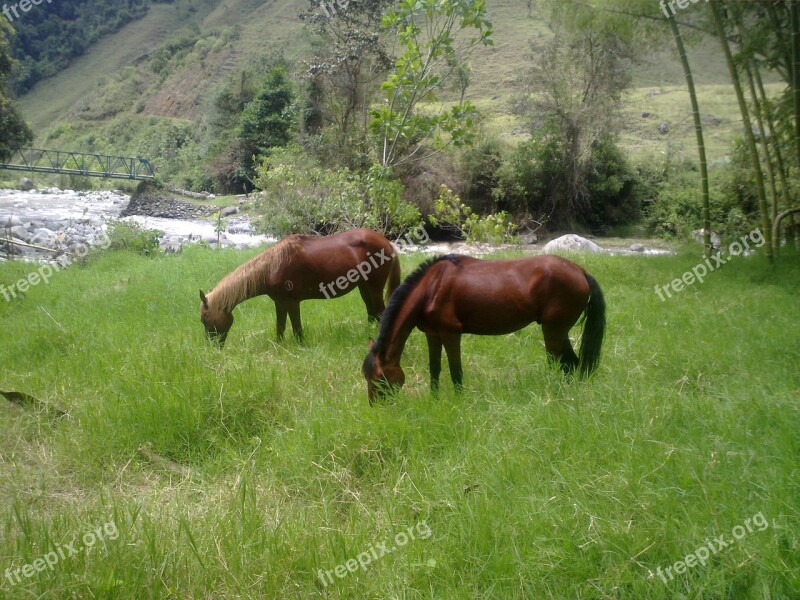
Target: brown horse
[
  {"x": 451, "y": 295},
  {"x": 302, "y": 267}
]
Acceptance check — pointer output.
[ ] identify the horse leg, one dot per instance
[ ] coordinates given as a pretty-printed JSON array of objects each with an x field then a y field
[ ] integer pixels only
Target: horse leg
[
  {"x": 294, "y": 317},
  {"x": 452, "y": 345},
  {"x": 558, "y": 346},
  {"x": 280, "y": 312},
  {"x": 373, "y": 310},
  {"x": 434, "y": 360}
]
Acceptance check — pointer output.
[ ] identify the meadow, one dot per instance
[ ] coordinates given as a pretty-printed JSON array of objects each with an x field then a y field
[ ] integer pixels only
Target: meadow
[{"x": 250, "y": 472}]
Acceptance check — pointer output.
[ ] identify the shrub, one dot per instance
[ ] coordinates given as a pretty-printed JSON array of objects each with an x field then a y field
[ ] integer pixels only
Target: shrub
[
  {"x": 133, "y": 237},
  {"x": 450, "y": 213},
  {"x": 299, "y": 196},
  {"x": 678, "y": 206},
  {"x": 598, "y": 193}
]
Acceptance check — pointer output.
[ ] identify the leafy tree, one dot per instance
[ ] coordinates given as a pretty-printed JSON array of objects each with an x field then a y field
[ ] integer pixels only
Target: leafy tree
[
  {"x": 266, "y": 122},
  {"x": 350, "y": 58},
  {"x": 434, "y": 36},
  {"x": 13, "y": 130},
  {"x": 573, "y": 95}
]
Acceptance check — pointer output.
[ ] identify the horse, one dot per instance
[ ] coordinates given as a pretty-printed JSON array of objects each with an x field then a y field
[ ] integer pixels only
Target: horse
[
  {"x": 302, "y": 267},
  {"x": 451, "y": 295}
]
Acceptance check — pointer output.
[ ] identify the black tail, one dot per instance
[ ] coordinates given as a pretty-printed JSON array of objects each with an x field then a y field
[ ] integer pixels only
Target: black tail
[{"x": 593, "y": 329}]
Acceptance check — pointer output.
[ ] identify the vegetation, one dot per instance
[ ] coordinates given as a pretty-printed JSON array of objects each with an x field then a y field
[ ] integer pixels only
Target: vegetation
[
  {"x": 304, "y": 198},
  {"x": 253, "y": 471},
  {"x": 14, "y": 132},
  {"x": 600, "y": 132},
  {"x": 245, "y": 472},
  {"x": 51, "y": 35}
]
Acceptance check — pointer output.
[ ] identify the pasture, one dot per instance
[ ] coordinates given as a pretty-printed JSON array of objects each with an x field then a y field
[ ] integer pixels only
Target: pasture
[{"x": 251, "y": 472}]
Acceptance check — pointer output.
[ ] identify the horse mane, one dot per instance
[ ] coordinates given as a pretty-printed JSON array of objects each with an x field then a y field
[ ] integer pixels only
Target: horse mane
[
  {"x": 402, "y": 293},
  {"x": 247, "y": 280}
]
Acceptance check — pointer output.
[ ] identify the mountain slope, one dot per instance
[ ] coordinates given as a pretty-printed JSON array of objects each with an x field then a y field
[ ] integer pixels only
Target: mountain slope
[{"x": 148, "y": 89}]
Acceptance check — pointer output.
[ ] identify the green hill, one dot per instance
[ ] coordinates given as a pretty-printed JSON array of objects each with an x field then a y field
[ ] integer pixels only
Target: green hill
[{"x": 148, "y": 88}]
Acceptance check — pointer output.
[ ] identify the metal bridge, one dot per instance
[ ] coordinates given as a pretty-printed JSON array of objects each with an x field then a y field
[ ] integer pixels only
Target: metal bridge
[{"x": 79, "y": 163}]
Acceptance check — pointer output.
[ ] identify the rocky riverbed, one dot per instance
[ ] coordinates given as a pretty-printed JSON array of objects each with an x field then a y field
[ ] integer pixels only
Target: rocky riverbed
[
  {"x": 50, "y": 224},
  {"x": 44, "y": 224}
]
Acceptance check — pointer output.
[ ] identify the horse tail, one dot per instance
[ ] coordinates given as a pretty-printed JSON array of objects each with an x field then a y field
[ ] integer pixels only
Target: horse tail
[
  {"x": 593, "y": 329},
  {"x": 394, "y": 275}
]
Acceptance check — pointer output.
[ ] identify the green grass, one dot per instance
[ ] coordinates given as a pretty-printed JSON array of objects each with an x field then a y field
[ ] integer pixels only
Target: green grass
[{"x": 532, "y": 486}]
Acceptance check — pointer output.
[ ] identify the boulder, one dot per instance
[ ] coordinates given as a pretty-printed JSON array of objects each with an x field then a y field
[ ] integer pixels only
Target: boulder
[
  {"x": 21, "y": 232},
  {"x": 636, "y": 248},
  {"x": 25, "y": 184},
  {"x": 571, "y": 243}
]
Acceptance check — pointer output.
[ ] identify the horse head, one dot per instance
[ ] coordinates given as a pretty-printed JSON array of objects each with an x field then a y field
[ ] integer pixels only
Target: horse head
[
  {"x": 381, "y": 378},
  {"x": 217, "y": 321}
]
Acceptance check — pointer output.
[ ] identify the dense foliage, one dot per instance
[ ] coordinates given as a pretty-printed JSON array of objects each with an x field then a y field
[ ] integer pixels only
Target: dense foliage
[
  {"x": 13, "y": 130},
  {"x": 51, "y": 35}
]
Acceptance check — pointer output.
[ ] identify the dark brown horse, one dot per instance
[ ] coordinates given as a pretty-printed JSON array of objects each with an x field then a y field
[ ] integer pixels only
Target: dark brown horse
[
  {"x": 451, "y": 295},
  {"x": 302, "y": 267}
]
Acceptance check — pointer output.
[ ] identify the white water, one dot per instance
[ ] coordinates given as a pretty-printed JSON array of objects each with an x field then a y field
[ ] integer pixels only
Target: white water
[{"x": 54, "y": 209}]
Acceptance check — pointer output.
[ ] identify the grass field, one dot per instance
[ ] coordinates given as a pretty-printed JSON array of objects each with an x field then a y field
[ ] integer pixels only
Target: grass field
[{"x": 184, "y": 472}]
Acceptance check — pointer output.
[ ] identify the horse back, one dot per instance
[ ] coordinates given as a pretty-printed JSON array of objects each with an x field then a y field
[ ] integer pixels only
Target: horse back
[{"x": 500, "y": 296}]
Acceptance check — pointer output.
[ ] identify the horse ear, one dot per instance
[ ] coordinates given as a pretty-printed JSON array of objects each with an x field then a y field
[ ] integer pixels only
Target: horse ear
[
  {"x": 204, "y": 299},
  {"x": 371, "y": 343}
]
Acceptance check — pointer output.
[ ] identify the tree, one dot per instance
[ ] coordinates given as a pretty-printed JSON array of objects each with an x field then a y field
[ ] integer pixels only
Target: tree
[
  {"x": 435, "y": 42},
  {"x": 14, "y": 132},
  {"x": 266, "y": 122},
  {"x": 572, "y": 98},
  {"x": 698, "y": 129},
  {"x": 350, "y": 59},
  {"x": 749, "y": 137}
]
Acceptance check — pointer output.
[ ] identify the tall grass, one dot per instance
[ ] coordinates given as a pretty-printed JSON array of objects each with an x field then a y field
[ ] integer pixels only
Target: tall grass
[{"x": 532, "y": 486}]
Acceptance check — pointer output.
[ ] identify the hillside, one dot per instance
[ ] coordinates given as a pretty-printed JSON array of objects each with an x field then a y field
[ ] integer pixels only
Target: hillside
[{"x": 148, "y": 89}]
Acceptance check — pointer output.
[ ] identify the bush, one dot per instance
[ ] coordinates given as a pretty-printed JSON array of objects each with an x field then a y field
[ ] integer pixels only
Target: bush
[
  {"x": 481, "y": 165},
  {"x": 533, "y": 179},
  {"x": 300, "y": 196},
  {"x": 677, "y": 209},
  {"x": 133, "y": 237},
  {"x": 450, "y": 213},
  {"x": 611, "y": 185}
]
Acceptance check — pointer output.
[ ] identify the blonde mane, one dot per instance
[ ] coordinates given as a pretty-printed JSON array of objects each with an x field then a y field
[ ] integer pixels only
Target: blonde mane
[{"x": 248, "y": 280}]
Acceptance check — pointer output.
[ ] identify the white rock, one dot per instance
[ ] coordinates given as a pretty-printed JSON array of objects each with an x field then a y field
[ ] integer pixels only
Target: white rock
[{"x": 571, "y": 243}]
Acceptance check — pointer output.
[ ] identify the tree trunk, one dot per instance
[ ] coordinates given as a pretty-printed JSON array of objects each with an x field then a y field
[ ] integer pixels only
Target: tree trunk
[
  {"x": 795, "y": 11},
  {"x": 748, "y": 131},
  {"x": 783, "y": 174},
  {"x": 698, "y": 128},
  {"x": 773, "y": 188}
]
